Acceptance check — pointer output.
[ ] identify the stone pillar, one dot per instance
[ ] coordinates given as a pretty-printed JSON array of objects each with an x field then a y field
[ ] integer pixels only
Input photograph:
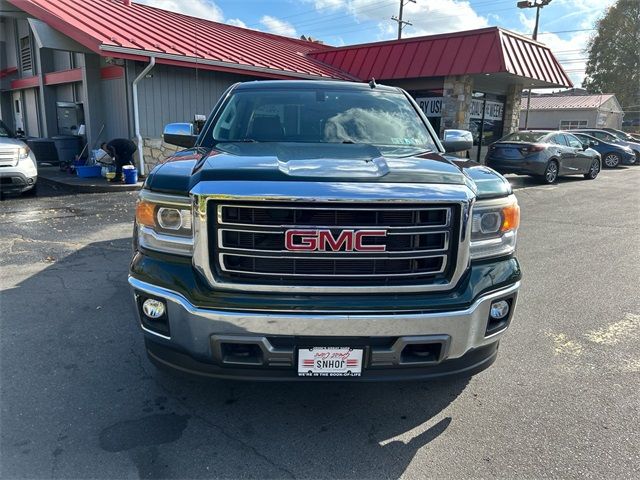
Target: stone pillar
[
  {"x": 512, "y": 109},
  {"x": 156, "y": 151},
  {"x": 456, "y": 102}
]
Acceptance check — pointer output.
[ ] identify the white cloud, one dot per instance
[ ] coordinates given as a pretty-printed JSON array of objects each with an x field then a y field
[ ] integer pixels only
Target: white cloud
[
  {"x": 277, "y": 26},
  {"x": 196, "y": 8},
  {"x": 328, "y": 4},
  {"x": 427, "y": 17},
  {"x": 236, "y": 22}
]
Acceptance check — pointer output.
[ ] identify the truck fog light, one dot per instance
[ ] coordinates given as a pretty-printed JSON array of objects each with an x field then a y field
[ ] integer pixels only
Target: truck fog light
[
  {"x": 499, "y": 309},
  {"x": 153, "y": 308}
]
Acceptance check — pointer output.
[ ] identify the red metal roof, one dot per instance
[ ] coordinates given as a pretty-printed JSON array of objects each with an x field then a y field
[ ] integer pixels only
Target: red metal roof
[
  {"x": 489, "y": 50},
  {"x": 111, "y": 28}
]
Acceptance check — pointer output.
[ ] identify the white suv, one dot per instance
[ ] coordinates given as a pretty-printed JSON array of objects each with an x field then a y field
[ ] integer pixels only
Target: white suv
[{"x": 18, "y": 168}]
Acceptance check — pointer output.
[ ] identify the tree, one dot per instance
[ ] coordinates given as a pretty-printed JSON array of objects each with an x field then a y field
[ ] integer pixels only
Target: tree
[{"x": 614, "y": 54}]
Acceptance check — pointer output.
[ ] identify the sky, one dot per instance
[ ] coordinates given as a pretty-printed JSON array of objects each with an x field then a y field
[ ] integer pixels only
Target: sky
[{"x": 565, "y": 25}]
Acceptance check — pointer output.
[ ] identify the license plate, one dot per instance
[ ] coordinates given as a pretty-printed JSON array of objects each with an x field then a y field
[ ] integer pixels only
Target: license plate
[
  {"x": 329, "y": 362},
  {"x": 510, "y": 152}
]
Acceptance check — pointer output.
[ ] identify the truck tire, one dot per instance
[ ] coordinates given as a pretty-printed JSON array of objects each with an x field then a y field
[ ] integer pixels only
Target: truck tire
[
  {"x": 611, "y": 160},
  {"x": 594, "y": 170},
  {"x": 550, "y": 175}
]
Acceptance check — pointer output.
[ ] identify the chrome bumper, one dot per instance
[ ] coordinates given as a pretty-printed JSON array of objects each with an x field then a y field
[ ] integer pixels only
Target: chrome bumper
[{"x": 192, "y": 328}]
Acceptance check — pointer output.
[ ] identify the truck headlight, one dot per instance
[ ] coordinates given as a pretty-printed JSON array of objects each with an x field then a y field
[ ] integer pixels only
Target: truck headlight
[
  {"x": 23, "y": 153},
  {"x": 494, "y": 227},
  {"x": 164, "y": 223},
  {"x": 174, "y": 219}
]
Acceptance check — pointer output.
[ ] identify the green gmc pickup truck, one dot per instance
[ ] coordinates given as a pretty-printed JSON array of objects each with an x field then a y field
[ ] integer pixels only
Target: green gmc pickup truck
[{"x": 315, "y": 230}]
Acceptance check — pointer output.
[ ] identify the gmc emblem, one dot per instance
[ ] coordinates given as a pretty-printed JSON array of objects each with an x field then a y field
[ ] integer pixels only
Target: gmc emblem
[{"x": 324, "y": 241}]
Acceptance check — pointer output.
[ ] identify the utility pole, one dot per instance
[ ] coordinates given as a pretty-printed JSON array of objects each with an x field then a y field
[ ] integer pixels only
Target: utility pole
[
  {"x": 537, "y": 4},
  {"x": 402, "y": 23}
]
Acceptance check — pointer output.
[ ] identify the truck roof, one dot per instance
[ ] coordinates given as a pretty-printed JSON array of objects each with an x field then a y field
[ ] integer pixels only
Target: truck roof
[{"x": 310, "y": 84}]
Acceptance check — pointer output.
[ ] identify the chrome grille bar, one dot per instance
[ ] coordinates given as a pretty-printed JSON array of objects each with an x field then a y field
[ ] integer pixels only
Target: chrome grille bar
[
  {"x": 280, "y": 231},
  {"x": 428, "y": 224}
]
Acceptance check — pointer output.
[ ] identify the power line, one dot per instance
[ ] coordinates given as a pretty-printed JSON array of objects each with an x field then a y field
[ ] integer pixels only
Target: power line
[
  {"x": 328, "y": 22},
  {"x": 569, "y": 31},
  {"x": 325, "y": 19}
]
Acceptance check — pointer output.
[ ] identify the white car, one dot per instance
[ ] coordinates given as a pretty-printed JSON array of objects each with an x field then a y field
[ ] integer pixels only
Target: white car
[{"x": 18, "y": 168}]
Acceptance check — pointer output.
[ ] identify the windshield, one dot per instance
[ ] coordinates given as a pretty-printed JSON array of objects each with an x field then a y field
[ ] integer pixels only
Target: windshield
[
  {"x": 584, "y": 138},
  {"x": 621, "y": 135},
  {"x": 605, "y": 136},
  {"x": 524, "y": 137},
  {"x": 322, "y": 116},
  {"x": 4, "y": 131}
]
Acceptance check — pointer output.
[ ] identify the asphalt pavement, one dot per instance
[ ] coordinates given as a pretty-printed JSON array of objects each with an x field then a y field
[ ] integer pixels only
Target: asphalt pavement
[{"x": 79, "y": 399}]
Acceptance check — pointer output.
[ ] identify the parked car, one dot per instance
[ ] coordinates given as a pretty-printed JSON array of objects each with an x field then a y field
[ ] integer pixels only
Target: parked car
[
  {"x": 607, "y": 136},
  {"x": 543, "y": 154},
  {"x": 18, "y": 167},
  {"x": 612, "y": 154},
  {"x": 631, "y": 123},
  {"x": 314, "y": 230},
  {"x": 632, "y": 142}
]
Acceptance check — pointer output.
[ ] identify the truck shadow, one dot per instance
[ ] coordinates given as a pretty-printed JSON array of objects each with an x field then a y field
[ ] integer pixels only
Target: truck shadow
[{"x": 77, "y": 351}]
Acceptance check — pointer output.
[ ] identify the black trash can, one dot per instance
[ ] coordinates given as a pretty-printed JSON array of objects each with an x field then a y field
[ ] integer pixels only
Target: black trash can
[
  {"x": 67, "y": 146},
  {"x": 44, "y": 150}
]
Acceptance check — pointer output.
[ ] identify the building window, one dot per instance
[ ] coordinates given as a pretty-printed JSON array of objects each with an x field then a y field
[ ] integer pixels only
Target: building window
[
  {"x": 487, "y": 117},
  {"x": 572, "y": 124},
  {"x": 25, "y": 54}
]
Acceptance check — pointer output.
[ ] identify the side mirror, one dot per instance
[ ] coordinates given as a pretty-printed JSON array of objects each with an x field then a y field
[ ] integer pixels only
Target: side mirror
[
  {"x": 457, "y": 141},
  {"x": 179, "y": 134}
]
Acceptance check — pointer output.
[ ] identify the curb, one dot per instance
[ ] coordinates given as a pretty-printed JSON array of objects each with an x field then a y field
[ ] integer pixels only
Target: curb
[{"x": 90, "y": 188}]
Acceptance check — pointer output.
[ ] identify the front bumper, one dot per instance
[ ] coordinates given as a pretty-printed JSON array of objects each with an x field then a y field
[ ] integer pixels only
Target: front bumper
[
  {"x": 631, "y": 159},
  {"x": 16, "y": 182},
  {"x": 467, "y": 342}
]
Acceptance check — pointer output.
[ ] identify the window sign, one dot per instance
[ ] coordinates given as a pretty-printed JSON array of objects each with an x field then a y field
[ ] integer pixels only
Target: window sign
[
  {"x": 493, "y": 111},
  {"x": 431, "y": 106}
]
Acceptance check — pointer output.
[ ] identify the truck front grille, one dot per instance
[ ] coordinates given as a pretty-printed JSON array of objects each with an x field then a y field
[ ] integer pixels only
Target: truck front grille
[{"x": 247, "y": 244}]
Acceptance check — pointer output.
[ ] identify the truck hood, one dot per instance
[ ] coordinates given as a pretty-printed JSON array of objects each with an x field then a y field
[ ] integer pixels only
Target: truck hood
[{"x": 300, "y": 162}]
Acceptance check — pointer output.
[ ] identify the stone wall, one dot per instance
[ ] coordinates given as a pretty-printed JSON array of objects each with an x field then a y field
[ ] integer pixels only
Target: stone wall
[
  {"x": 156, "y": 151},
  {"x": 456, "y": 108},
  {"x": 512, "y": 109}
]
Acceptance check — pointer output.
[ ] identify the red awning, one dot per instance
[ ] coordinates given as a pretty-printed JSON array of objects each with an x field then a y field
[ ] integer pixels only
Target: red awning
[{"x": 486, "y": 51}]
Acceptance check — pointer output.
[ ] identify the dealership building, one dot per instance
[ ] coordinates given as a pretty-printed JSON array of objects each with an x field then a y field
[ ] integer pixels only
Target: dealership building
[{"x": 123, "y": 69}]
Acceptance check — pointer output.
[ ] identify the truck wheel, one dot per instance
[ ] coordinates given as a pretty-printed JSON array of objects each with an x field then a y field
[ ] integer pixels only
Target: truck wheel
[
  {"x": 594, "y": 170},
  {"x": 551, "y": 173},
  {"x": 611, "y": 160}
]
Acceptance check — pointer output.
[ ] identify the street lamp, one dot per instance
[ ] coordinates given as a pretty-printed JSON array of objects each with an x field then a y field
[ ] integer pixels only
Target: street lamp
[{"x": 537, "y": 4}]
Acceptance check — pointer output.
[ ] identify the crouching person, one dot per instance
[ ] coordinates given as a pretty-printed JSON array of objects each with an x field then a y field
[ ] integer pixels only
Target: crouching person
[{"x": 121, "y": 150}]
